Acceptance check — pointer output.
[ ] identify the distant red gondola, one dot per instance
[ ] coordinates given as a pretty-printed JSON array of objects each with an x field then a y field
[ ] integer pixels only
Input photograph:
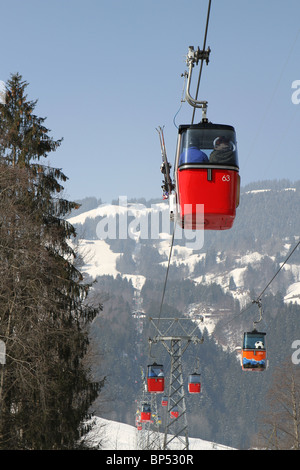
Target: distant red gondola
[
  {"x": 164, "y": 401},
  {"x": 138, "y": 423},
  {"x": 174, "y": 413},
  {"x": 155, "y": 378},
  {"x": 145, "y": 413},
  {"x": 194, "y": 383}
]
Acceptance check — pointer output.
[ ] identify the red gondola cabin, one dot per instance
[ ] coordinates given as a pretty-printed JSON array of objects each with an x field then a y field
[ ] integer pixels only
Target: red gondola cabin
[
  {"x": 174, "y": 413},
  {"x": 253, "y": 355},
  {"x": 155, "y": 378},
  {"x": 207, "y": 176},
  {"x": 145, "y": 413},
  {"x": 138, "y": 423},
  {"x": 164, "y": 401},
  {"x": 194, "y": 383}
]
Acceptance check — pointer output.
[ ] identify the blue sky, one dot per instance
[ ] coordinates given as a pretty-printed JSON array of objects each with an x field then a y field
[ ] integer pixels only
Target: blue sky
[{"x": 107, "y": 73}]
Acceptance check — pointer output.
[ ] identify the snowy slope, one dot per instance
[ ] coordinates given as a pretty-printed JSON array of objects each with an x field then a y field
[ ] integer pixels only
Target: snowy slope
[
  {"x": 100, "y": 260},
  {"x": 293, "y": 293},
  {"x": 112, "y": 435}
]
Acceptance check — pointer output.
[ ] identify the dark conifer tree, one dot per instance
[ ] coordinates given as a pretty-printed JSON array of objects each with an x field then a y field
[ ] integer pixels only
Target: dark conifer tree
[{"x": 45, "y": 390}]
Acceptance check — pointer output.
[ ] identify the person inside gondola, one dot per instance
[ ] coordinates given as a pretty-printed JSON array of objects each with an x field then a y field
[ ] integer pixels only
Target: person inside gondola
[
  {"x": 193, "y": 154},
  {"x": 223, "y": 152},
  {"x": 146, "y": 408},
  {"x": 155, "y": 371}
]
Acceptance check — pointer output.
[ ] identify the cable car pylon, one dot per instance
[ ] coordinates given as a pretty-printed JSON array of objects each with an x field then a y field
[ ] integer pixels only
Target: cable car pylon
[{"x": 176, "y": 423}]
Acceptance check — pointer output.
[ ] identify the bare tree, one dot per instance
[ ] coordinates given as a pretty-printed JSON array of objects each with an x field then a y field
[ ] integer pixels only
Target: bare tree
[{"x": 280, "y": 423}]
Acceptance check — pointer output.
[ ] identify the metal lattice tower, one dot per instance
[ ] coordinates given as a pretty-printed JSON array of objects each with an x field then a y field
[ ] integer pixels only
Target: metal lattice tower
[
  {"x": 154, "y": 440},
  {"x": 176, "y": 428}
]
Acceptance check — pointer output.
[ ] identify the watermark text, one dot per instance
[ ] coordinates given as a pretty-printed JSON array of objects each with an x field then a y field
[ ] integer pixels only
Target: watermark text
[
  {"x": 296, "y": 93},
  {"x": 137, "y": 221},
  {"x": 296, "y": 354}
]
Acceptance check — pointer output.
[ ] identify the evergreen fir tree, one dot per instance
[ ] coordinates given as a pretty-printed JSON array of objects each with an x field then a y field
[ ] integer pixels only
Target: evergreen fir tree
[{"x": 45, "y": 389}]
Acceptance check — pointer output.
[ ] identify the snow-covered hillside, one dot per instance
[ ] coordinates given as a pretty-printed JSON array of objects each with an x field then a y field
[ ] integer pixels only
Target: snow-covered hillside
[
  {"x": 99, "y": 259},
  {"x": 134, "y": 221},
  {"x": 111, "y": 435}
]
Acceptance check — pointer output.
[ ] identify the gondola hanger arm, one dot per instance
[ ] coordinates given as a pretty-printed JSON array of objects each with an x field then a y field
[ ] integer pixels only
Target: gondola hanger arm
[
  {"x": 259, "y": 304},
  {"x": 193, "y": 58}
]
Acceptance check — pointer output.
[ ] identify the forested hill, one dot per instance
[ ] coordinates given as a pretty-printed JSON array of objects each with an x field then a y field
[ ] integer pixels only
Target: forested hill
[
  {"x": 267, "y": 226},
  {"x": 217, "y": 281}
]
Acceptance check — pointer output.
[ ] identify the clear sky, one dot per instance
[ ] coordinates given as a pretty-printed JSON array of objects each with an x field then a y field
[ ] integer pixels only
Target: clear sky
[{"x": 108, "y": 72}]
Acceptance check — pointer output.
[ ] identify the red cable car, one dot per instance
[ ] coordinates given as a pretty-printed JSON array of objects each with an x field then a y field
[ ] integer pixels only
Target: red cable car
[
  {"x": 253, "y": 355},
  {"x": 164, "y": 401},
  {"x": 174, "y": 413},
  {"x": 145, "y": 413},
  {"x": 155, "y": 378},
  {"x": 207, "y": 176},
  {"x": 194, "y": 383},
  {"x": 138, "y": 423}
]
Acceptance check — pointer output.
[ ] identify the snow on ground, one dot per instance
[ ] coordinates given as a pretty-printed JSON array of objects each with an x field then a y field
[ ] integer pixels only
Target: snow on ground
[
  {"x": 137, "y": 280},
  {"x": 224, "y": 278},
  {"x": 250, "y": 258},
  {"x": 294, "y": 269},
  {"x": 256, "y": 191},
  {"x": 293, "y": 294},
  {"x": 124, "y": 208},
  {"x": 99, "y": 259},
  {"x": 113, "y": 435},
  {"x": 203, "y": 315},
  {"x": 181, "y": 255},
  {"x": 104, "y": 210}
]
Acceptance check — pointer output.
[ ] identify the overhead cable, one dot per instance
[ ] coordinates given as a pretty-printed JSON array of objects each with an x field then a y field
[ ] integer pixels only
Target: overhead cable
[{"x": 201, "y": 65}]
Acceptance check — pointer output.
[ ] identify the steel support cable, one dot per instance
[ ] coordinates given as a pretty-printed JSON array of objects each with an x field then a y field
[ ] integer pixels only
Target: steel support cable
[
  {"x": 165, "y": 284},
  {"x": 270, "y": 282},
  {"x": 201, "y": 65},
  {"x": 258, "y": 299},
  {"x": 167, "y": 273}
]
